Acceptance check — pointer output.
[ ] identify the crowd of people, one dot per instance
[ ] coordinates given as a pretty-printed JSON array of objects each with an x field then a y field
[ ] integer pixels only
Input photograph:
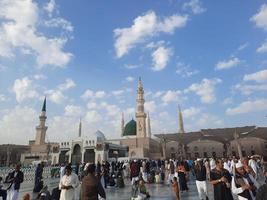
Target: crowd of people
[{"x": 231, "y": 178}]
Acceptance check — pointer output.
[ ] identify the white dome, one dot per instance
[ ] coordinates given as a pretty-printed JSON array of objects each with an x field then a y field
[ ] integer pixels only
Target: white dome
[{"x": 99, "y": 135}]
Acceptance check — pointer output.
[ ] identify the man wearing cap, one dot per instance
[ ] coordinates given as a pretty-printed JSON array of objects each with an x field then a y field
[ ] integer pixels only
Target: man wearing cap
[
  {"x": 244, "y": 185},
  {"x": 91, "y": 185},
  {"x": 68, "y": 184}
]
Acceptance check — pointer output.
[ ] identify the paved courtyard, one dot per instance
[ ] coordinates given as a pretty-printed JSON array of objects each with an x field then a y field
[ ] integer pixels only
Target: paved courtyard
[{"x": 157, "y": 191}]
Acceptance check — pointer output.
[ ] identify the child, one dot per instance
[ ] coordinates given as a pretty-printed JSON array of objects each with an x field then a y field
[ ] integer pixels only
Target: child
[
  {"x": 175, "y": 188},
  {"x": 157, "y": 178},
  {"x": 135, "y": 190},
  {"x": 143, "y": 192}
]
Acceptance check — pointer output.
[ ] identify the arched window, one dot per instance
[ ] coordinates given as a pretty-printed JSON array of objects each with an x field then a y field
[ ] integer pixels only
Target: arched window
[{"x": 195, "y": 148}]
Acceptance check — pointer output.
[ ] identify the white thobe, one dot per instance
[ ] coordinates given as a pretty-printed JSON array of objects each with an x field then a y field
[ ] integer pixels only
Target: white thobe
[
  {"x": 239, "y": 190},
  {"x": 12, "y": 194},
  {"x": 71, "y": 180}
]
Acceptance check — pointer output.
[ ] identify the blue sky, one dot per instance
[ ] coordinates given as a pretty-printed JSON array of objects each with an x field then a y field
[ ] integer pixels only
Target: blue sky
[{"x": 86, "y": 57}]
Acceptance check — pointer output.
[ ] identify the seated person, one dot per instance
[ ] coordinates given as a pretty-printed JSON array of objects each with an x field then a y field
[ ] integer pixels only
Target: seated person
[
  {"x": 120, "y": 181},
  {"x": 135, "y": 189},
  {"x": 112, "y": 182},
  {"x": 143, "y": 191}
]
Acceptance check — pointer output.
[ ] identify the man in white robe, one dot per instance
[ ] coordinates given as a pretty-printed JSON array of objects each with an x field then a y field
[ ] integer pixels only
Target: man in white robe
[{"x": 68, "y": 184}]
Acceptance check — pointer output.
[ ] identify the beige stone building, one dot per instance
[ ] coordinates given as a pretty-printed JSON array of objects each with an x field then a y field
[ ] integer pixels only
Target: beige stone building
[{"x": 223, "y": 142}]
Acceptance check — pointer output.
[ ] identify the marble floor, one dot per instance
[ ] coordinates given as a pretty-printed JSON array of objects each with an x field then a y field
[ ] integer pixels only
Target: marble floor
[{"x": 157, "y": 191}]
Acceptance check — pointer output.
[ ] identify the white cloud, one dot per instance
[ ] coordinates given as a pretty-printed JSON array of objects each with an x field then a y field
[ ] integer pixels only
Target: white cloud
[
  {"x": 39, "y": 77},
  {"x": 129, "y": 79},
  {"x": 92, "y": 116},
  {"x": 17, "y": 125},
  {"x": 3, "y": 98},
  {"x": 248, "y": 107},
  {"x": 89, "y": 94},
  {"x": 127, "y": 66},
  {"x": 59, "y": 23},
  {"x": 117, "y": 93},
  {"x": 50, "y": 7},
  {"x": 185, "y": 70},
  {"x": 24, "y": 89},
  {"x": 21, "y": 16},
  {"x": 226, "y": 64},
  {"x": 100, "y": 94},
  {"x": 195, "y": 6},
  {"x": 248, "y": 89},
  {"x": 263, "y": 47},
  {"x": 72, "y": 110},
  {"x": 150, "y": 106},
  {"x": 112, "y": 110},
  {"x": 191, "y": 112},
  {"x": 260, "y": 18},
  {"x": 55, "y": 96},
  {"x": 145, "y": 26},
  {"x": 242, "y": 46},
  {"x": 171, "y": 96},
  {"x": 92, "y": 105},
  {"x": 160, "y": 58},
  {"x": 207, "y": 120},
  {"x": 69, "y": 83},
  {"x": 260, "y": 76},
  {"x": 227, "y": 101},
  {"x": 205, "y": 89}
]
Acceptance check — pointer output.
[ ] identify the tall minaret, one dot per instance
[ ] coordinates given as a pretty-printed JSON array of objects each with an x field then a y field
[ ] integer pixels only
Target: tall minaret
[
  {"x": 148, "y": 126},
  {"x": 122, "y": 124},
  {"x": 80, "y": 128},
  {"x": 41, "y": 128},
  {"x": 181, "y": 121},
  {"x": 140, "y": 114}
]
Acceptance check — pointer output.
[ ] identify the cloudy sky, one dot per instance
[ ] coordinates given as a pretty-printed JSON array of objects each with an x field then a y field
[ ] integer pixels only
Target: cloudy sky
[{"x": 86, "y": 56}]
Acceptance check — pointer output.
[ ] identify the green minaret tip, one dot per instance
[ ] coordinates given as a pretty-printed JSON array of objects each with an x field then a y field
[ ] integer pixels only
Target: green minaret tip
[{"x": 44, "y": 106}]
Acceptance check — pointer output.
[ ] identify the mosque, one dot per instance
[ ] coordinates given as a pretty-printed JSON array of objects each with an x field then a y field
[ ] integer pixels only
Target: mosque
[{"x": 136, "y": 141}]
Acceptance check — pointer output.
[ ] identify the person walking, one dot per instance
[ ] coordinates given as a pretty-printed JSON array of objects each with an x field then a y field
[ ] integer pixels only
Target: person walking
[
  {"x": 91, "y": 186},
  {"x": 201, "y": 177},
  {"x": 243, "y": 184},
  {"x": 182, "y": 176},
  {"x": 15, "y": 178},
  {"x": 68, "y": 184},
  {"x": 175, "y": 188},
  {"x": 38, "y": 183},
  {"x": 220, "y": 178}
]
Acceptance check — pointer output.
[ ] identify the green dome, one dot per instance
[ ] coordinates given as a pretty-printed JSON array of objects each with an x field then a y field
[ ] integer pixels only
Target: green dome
[{"x": 130, "y": 128}]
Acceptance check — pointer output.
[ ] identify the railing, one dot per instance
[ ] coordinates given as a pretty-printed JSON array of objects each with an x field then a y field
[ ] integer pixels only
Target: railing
[{"x": 29, "y": 172}]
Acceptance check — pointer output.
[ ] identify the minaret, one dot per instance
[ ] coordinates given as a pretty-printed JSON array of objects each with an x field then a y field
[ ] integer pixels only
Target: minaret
[
  {"x": 181, "y": 122},
  {"x": 122, "y": 124},
  {"x": 148, "y": 126},
  {"x": 80, "y": 128},
  {"x": 41, "y": 128},
  {"x": 140, "y": 115}
]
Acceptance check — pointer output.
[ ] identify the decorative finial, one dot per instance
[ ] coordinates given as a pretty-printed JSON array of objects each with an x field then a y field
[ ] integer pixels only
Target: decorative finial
[{"x": 44, "y": 105}]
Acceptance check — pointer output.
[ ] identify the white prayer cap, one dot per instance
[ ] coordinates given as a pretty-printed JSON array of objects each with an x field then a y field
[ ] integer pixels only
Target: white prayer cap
[
  {"x": 135, "y": 160},
  {"x": 86, "y": 166},
  {"x": 238, "y": 165},
  {"x": 199, "y": 159}
]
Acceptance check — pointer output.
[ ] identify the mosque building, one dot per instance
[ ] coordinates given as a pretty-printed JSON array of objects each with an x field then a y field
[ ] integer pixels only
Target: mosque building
[{"x": 136, "y": 141}]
